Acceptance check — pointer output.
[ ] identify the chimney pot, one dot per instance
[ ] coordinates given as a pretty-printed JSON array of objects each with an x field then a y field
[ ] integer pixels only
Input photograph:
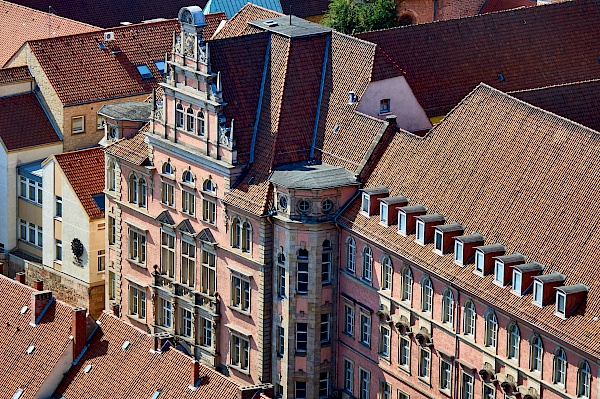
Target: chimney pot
[
  {"x": 78, "y": 331},
  {"x": 38, "y": 285},
  {"x": 392, "y": 119},
  {"x": 20, "y": 277},
  {"x": 39, "y": 302}
]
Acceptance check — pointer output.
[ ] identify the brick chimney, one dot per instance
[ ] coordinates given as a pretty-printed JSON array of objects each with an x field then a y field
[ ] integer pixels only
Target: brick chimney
[
  {"x": 39, "y": 302},
  {"x": 20, "y": 277},
  {"x": 194, "y": 374},
  {"x": 116, "y": 309},
  {"x": 38, "y": 285},
  {"x": 78, "y": 331}
]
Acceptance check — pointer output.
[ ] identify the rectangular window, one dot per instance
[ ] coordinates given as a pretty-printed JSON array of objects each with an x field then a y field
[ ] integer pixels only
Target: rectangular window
[
  {"x": 384, "y": 341},
  {"x": 167, "y": 313},
  {"x": 404, "y": 352},
  {"x": 424, "y": 363},
  {"x": 300, "y": 390},
  {"x": 325, "y": 327},
  {"x": 420, "y": 234},
  {"x": 240, "y": 293},
  {"x": 402, "y": 222},
  {"x": 383, "y": 213},
  {"x": 112, "y": 231},
  {"x": 32, "y": 230},
  {"x": 23, "y": 186},
  {"x": 365, "y": 329},
  {"x": 445, "y": 375},
  {"x": 302, "y": 277},
  {"x": 561, "y": 301},
  {"x": 326, "y": 268},
  {"x": 240, "y": 352},
  {"x": 209, "y": 273},
  {"x": 281, "y": 280},
  {"x": 479, "y": 260},
  {"x": 23, "y": 229},
  {"x": 489, "y": 391},
  {"x": 365, "y": 203},
  {"x": 58, "y": 250},
  {"x": 402, "y": 395},
  {"x": 112, "y": 285},
  {"x": 385, "y": 390},
  {"x": 538, "y": 290},
  {"x": 167, "y": 194},
  {"x": 458, "y": 252},
  {"x": 517, "y": 281},
  {"x": 209, "y": 211},
  {"x": 188, "y": 202},
  {"x": 324, "y": 385},
  {"x": 206, "y": 332},
  {"x": 39, "y": 193},
  {"x": 348, "y": 376},
  {"x": 301, "y": 337},
  {"x": 499, "y": 272},
  {"x": 77, "y": 124},
  {"x": 384, "y": 106},
  {"x": 438, "y": 241},
  {"x": 100, "y": 122},
  {"x": 365, "y": 382},
  {"x": 137, "y": 301},
  {"x": 349, "y": 317},
  {"x": 186, "y": 321},
  {"x": 137, "y": 246},
  {"x": 467, "y": 386},
  {"x": 188, "y": 263},
  {"x": 58, "y": 207},
  {"x": 40, "y": 236},
  {"x": 101, "y": 260},
  {"x": 280, "y": 341}
]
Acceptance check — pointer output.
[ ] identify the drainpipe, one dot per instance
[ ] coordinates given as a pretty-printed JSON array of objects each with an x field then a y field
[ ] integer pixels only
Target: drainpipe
[
  {"x": 457, "y": 319},
  {"x": 435, "y": 7}
]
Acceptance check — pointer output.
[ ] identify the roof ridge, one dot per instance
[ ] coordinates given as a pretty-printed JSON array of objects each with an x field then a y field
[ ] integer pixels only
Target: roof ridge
[
  {"x": 256, "y": 6},
  {"x": 554, "y": 86}
]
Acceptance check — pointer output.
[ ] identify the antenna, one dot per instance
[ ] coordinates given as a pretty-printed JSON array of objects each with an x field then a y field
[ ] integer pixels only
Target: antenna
[{"x": 290, "y": 14}]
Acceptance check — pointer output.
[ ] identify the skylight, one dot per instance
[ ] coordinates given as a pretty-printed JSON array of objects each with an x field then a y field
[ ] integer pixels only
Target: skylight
[
  {"x": 144, "y": 71},
  {"x": 88, "y": 368},
  {"x": 30, "y": 350},
  {"x": 24, "y": 309},
  {"x": 160, "y": 65},
  {"x": 125, "y": 345},
  {"x": 17, "y": 394},
  {"x": 156, "y": 394}
]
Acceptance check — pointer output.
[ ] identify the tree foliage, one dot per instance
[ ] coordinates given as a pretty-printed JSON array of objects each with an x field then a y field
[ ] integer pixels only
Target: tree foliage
[{"x": 354, "y": 16}]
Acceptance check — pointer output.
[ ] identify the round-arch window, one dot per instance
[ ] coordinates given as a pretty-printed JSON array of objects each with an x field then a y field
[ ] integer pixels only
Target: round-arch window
[
  {"x": 283, "y": 202},
  {"x": 303, "y": 206},
  {"x": 326, "y": 205}
]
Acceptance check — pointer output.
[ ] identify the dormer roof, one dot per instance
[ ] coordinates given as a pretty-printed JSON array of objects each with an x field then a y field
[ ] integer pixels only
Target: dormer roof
[
  {"x": 573, "y": 289},
  {"x": 399, "y": 199},
  {"x": 451, "y": 227},
  {"x": 551, "y": 278},
  {"x": 431, "y": 218},
  {"x": 376, "y": 190},
  {"x": 512, "y": 258},
  {"x": 417, "y": 208},
  {"x": 529, "y": 267},
  {"x": 491, "y": 248},
  {"x": 312, "y": 176},
  {"x": 469, "y": 238}
]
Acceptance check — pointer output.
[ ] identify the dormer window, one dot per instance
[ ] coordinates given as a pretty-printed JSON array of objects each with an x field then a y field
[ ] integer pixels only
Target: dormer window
[
  {"x": 517, "y": 281},
  {"x": 465, "y": 246},
  {"x": 426, "y": 227},
  {"x": 561, "y": 304},
  {"x": 538, "y": 293},
  {"x": 383, "y": 213},
  {"x": 370, "y": 196},
  {"x": 568, "y": 298},
  {"x": 499, "y": 272},
  {"x": 420, "y": 232},
  {"x": 402, "y": 223},
  {"x": 384, "y": 106},
  {"x": 523, "y": 276},
  {"x": 479, "y": 262},
  {"x": 365, "y": 203},
  {"x": 443, "y": 237},
  {"x": 438, "y": 241},
  {"x": 458, "y": 252},
  {"x": 504, "y": 264}
]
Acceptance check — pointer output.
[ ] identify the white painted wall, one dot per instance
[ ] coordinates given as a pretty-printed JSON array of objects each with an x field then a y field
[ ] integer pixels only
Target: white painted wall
[
  {"x": 16, "y": 88},
  {"x": 403, "y": 103}
]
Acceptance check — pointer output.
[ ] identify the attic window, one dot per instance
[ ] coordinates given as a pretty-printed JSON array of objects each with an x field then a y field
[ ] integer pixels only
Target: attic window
[
  {"x": 17, "y": 394},
  {"x": 517, "y": 282},
  {"x": 384, "y": 106},
  {"x": 383, "y": 213},
  {"x": 402, "y": 222},
  {"x": 438, "y": 240},
  {"x": 458, "y": 252},
  {"x": 156, "y": 394},
  {"x": 499, "y": 272},
  {"x": 160, "y": 65},
  {"x": 144, "y": 71},
  {"x": 24, "y": 309},
  {"x": 561, "y": 301},
  {"x": 336, "y": 128},
  {"x": 365, "y": 203},
  {"x": 479, "y": 262},
  {"x": 538, "y": 293},
  {"x": 125, "y": 345},
  {"x": 30, "y": 350},
  {"x": 87, "y": 369},
  {"x": 420, "y": 234},
  {"x": 351, "y": 98}
]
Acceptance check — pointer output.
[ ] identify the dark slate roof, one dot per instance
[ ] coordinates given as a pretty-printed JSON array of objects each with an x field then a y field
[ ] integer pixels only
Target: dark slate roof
[
  {"x": 290, "y": 26},
  {"x": 470, "y": 238},
  {"x": 491, "y": 248},
  {"x": 511, "y": 258},
  {"x": 399, "y": 199},
  {"x": 431, "y": 218},
  {"x": 578, "y": 101},
  {"x": 309, "y": 176},
  {"x": 530, "y": 267},
  {"x": 448, "y": 228},
  {"x": 413, "y": 208},
  {"x": 573, "y": 289},
  {"x": 305, "y": 8},
  {"x": 501, "y": 5},
  {"x": 510, "y": 50},
  {"x": 377, "y": 190},
  {"x": 127, "y": 110},
  {"x": 551, "y": 278}
]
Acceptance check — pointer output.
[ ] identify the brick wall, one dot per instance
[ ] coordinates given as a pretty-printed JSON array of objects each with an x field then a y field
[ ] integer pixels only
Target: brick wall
[{"x": 423, "y": 10}]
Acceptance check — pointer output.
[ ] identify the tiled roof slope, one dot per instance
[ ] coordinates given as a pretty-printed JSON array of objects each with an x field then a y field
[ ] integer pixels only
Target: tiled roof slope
[
  {"x": 84, "y": 169},
  {"x": 445, "y": 60},
  {"x": 133, "y": 150},
  {"x": 140, "y": 372},
  {"x": 80, "y": 71},
  {"x": 110, "y": 13},
  {"x": 579, "y": 101},
  {"x": 17, "y": 135},
  {"x": 19, "y": 24},
  {"x": 213, "y": 20},
  {"x": 16, "y": 74},
  {"x": 501, "y": 5},
  {"x": 238, "y": 24},
  {"x": 50, "y": 338},
  {"x": 519, "y": 175}
]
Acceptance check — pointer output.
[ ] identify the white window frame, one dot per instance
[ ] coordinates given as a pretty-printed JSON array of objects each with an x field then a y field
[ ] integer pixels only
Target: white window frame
[
  {"x": 407, "y": 284},
  {"x": 385, "y": 390},
  {"x": 367, "y": 264},
  {"x": 385, "y": 335},
  {"x": 427, "y": 295},
  {"x": 513, "y": 342},
  {"x": 167, "y": 194},
  {"x": 470, "y": 319},
  {"x": 559, "y": 367},
  {"x": 561, "y": 298},
  {"x": 187, "y": 325},
  {"x": 445, "y": 378},
  {"x": 467, "y": 384},
  {"x": 325, "y": 333},
  {"x": 167, "y": 253},
  {"x": 383, "y": 213},
  {"x": 209, "y": 210},
  {"x": 348, "y": 376},
  {"x": 420, "y": 232},
  {"x": 137, "y": 301},
  {"x": 166, "y": 313},
  {"x": 491, "y": 330},
  {"x": 188, "y": 202},
  {"x": 208, "y": 279},
  {"x": 365, "y": 328},
  {"x": 402, "y": 218},
  {"x": 326, "y": 263},
  {"x": 517, "y": 282},
  {"x": 302, "y": 337},
  {"x": 538, "y": 293},
  {"x": 365, "y": 207},
  {"x": 584, "y": 380},
  {"x": 536, "y": 353},
  {"x": 240, "y": 352},
  {"x": 448, "y": 307},
  {"x": 499, "y": 272},
  {"x": 240, "y": 293},
  {"x": 351, "y": 255},
  {"x": 404, "y": 347},
  {"x": 365, "y": 384},
  {"x": 58, "y": 207},
  {"x": 387, "y": 273},
  {"x": 349, "y": 320},
  {"x": 438, "y": 241},
  {"x": 424, "y": 363},
  {"x": 75, "y": 130},
  {"x": 206, "y": 332},
  {"x": 459, "y": 252},
  {"x": 188, "y": 263}
]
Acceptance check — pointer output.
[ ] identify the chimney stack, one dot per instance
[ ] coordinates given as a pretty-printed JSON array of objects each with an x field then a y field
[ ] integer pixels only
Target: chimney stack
[
  {"x": 39, "y": 302},
  {"x": 392, "y": 120},
  {"x": 195, "y": 374},
  {"x": 78, "y": 331},
  {"x": 116, "y": 309},
  {"x": 38, "y": 285},
  {"x": 20, "y": 277}
]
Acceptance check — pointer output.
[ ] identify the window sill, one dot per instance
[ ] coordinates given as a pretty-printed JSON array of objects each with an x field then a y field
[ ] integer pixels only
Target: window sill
[
  {"x": 136, "y": 318},
  {"x": 365, "y": 344},
  {"x": 57, "y": 261},
  {"x": 240, "y": 311},
  {"x": 239, "y": 369},
  {"x": 405, "y": 370},
  {"x": 325, "y": 344},
  {"x": 347, "y": 334},
  {"x": 188, "y": 185},
  {"x": 445, "y": 392},
  {"x": 136, "y": 263},
  {"x": 30, "y": 201},
  {"x": 77, "y": 132},
  {"x": 386, "y": 359},
  {"x": 327, "y": 284},
  {"x": 164, "y": 204},
  {"x": 425, "y": 381},
  {"x": 300, "y": 354},
  {"x": 58, "y": 218}
]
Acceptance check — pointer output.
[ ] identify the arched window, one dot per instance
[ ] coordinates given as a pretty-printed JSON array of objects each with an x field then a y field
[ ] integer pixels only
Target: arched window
[
  {"x": 448, "y": 307},
  {"x": 426, "y": 295},
  {"x": 142, "y": 193},
  {"x": 188, "y": 177},
  {"x": 208, "y": 186},
  {"x": 514, "y": 339},
  {"x": 189, "y": 118},
  {"x": 167, "y": 168},
  {"x": 133, "y": 189},
  {"x": 236, "y": 233},
  {"x": 367, "y": 264},
  {"x": 491, "y": 329},
  {"x": 179, "y": 119},
  {"x": 584, "y": 380},
  {"x": 537, "y": 351},
  {"x": 201, "y": 127},
  {"x": 559, "y": 369},
  {"x": 407, "y": 283},
  {"x": 386, "y": 273},
  {"x": 351, "y": 255},
  {"x": 111, "y": 176},
  {"x": 246, "y": 236},
  {"x": 470, "y": 314}
]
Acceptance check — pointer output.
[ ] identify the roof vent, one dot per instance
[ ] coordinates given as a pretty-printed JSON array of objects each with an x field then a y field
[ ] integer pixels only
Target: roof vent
[
  {"x": 352, "y": 97},
  {"x": 501, "y": 78},
  {"x": 30, "y": 350},
  {"x": 87, "y": 369},
  {"x": 270, "y": 23},
  {"x": 125, "y": 345},
  {"x": 109, "y": 36},
  {"x": 24, "y": 309}
]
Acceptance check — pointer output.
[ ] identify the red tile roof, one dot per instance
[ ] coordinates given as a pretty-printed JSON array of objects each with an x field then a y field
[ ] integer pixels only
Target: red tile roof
[
  {"x": 18, "y": 135},
  {"x": 577, "y": 101},
  {"x": 16, "y": 74},
  {"x": 169, "y": 371},
  {"x": 238, "y": 24},
  {"x": 520, "y": 176},
  {"x": 80, "y": 71},
  {"x": 501, "y": 5},
  {"x": 213, "y": 21},
  {"x": 19, "y": 24},
  {"x": 133, "y": 150},
  {"x": 50, "y": 337},
  {"x": 510, "y": 50},
  {"x": 84, "y": 169}
]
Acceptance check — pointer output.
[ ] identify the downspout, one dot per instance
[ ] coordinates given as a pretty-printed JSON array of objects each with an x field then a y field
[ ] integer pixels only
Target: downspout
[
  {"x": 260, "y": 100},
  {"x": 435, "y": 7},
  {"x": 323, "y": 73}
]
